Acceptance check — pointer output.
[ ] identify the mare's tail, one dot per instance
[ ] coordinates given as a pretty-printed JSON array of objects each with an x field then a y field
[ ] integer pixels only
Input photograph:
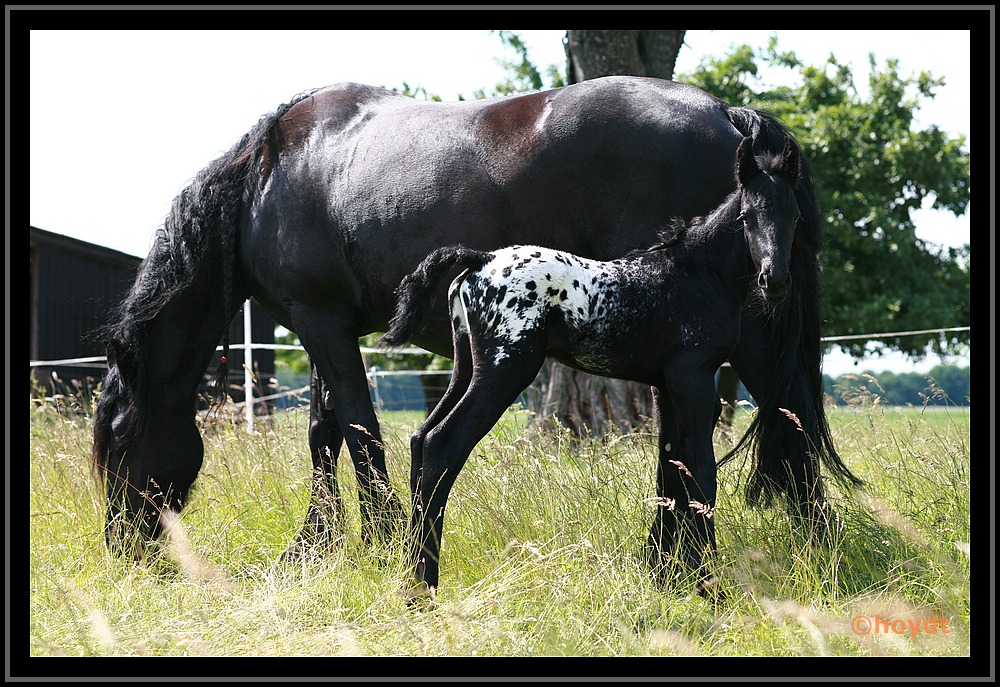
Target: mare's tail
[{"x": 416, "y": 292}]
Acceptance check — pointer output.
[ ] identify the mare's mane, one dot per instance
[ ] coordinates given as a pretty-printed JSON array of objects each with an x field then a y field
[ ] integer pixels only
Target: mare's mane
[{"x": 196, "y": 238}]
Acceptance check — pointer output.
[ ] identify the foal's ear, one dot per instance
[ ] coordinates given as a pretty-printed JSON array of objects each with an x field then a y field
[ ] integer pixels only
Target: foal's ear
[{"x": 746, "y": 165}]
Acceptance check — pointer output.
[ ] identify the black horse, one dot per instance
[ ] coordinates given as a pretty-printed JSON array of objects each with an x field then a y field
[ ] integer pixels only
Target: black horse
[
  {"x": 322, "y": 208},
  {"x": 668, "y": 316}
]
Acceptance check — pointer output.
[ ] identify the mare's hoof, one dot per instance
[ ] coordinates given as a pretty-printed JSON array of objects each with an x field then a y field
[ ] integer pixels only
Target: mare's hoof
[
  {"x": 420, "y": 596},
  {"x": 310, "y": 546}
]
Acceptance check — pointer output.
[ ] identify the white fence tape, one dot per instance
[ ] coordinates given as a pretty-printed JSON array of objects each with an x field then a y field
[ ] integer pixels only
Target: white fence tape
[{"x": 374, "y": 372}]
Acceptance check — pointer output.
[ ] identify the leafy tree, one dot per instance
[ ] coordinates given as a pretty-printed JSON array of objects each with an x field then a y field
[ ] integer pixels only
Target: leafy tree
[
  {"x": 873, "y": 168},
  {"x": 418, "y": 92},
  {"x": 953, "y": 382}
]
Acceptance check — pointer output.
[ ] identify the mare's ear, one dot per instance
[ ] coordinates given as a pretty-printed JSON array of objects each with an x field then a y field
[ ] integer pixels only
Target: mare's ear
[
  {"x": 791, "y": 162},
  {"x": 746, "y": 165}
]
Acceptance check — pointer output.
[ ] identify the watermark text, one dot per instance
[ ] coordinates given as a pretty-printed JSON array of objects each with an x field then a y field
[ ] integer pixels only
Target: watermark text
[{"x": 863, "y": 625}]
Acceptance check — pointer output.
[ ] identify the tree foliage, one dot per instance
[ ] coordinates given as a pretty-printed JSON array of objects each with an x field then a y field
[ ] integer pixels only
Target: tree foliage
[{"x": 873, "y": 169}]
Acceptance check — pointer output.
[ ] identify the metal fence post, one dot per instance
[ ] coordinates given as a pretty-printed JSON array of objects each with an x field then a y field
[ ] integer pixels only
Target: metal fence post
[{"x": 247, "y": 368}]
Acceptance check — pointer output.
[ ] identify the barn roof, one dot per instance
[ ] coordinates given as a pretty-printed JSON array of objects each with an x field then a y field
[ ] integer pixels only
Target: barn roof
[{"x": 90, "y": 251}]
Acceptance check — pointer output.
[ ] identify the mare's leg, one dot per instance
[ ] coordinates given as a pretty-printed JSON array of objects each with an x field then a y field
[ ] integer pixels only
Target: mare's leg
[
  {"x": 332, "y": 342},
  {"x": 325, "y": 439},
  {"x": 447, "y": 445},
  {"x": 686, "y": 473}
]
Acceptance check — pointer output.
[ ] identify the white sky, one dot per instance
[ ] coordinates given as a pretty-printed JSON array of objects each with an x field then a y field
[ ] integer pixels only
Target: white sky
[{"x": 120, "y": 121}]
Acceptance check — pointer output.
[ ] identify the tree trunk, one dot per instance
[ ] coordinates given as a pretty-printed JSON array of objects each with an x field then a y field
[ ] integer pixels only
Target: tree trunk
[
  {"x": 590, "y": 54},
  {"x": 585, "y": 403}
]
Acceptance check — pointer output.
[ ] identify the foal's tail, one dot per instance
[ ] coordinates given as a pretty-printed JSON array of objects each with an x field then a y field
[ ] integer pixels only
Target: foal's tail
[{"x": 415, "y": 295}]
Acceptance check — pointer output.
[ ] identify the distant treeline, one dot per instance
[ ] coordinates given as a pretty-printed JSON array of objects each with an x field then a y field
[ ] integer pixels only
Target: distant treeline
[{"x": 943, "y": 385}]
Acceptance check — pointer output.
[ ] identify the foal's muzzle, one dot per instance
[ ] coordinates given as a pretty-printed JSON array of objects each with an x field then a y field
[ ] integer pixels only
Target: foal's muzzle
[{"x": 774, "y": 289}]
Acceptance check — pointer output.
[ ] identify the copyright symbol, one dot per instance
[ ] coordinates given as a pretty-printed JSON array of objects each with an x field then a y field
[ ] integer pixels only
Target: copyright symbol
[{"x": 861, "y": 624}]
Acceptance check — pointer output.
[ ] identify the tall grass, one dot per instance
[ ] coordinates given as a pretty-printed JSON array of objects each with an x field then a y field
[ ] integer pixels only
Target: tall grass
[{"x": 541, "y": 553}]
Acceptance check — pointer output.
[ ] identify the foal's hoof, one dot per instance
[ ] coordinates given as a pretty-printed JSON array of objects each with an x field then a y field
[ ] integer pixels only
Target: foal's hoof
[
  {"x": 298, "y": 552},
  {"x": 710, "y": 589},
  {"x": 420, "y": 596}
]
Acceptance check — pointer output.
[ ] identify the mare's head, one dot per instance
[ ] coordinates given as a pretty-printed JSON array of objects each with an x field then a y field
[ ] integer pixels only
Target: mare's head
[
  {"x": 147, "y": 450},
  {"x": 769, "y": 212}
]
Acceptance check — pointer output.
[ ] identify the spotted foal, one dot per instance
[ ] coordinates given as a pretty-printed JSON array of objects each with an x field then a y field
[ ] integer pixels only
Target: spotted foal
[{"x": 667, "y": 316}]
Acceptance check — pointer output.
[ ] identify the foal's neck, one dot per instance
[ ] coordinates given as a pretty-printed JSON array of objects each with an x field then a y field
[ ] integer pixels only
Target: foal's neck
[{"x": 713, "y": 239}]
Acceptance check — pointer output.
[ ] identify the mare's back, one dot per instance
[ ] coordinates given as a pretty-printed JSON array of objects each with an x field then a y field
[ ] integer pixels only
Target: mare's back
[
  {"x": 594, "y": 169},
  {"x": 618, "y": 153}
]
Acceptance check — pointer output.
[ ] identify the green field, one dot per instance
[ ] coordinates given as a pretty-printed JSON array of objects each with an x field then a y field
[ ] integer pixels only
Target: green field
[{"x": 540, "y": 555}]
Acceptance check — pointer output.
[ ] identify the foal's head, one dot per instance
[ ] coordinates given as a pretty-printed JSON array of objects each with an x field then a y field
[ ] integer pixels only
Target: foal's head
[{"x": 769, "y": 212}]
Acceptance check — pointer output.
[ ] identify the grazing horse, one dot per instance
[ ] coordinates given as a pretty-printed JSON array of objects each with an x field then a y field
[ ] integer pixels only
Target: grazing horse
[
  {"x": 322, "y": 208},
  {"x": 668, "y": 316}
]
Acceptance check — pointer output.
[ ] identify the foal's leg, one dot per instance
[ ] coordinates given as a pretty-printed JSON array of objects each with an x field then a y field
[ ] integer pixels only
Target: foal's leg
[
  {"x": 687, "y": 472},
  {"x": 461, "y": 376},
  {"x": 325, "y": 439},
  {"x": 332, "y": 343},
  {"x": 662, "y": 540},
  {"x": 493, "y": 388}
]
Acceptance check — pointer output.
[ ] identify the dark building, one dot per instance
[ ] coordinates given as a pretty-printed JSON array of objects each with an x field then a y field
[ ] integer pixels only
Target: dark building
[{"x": 73, "y": 287}]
